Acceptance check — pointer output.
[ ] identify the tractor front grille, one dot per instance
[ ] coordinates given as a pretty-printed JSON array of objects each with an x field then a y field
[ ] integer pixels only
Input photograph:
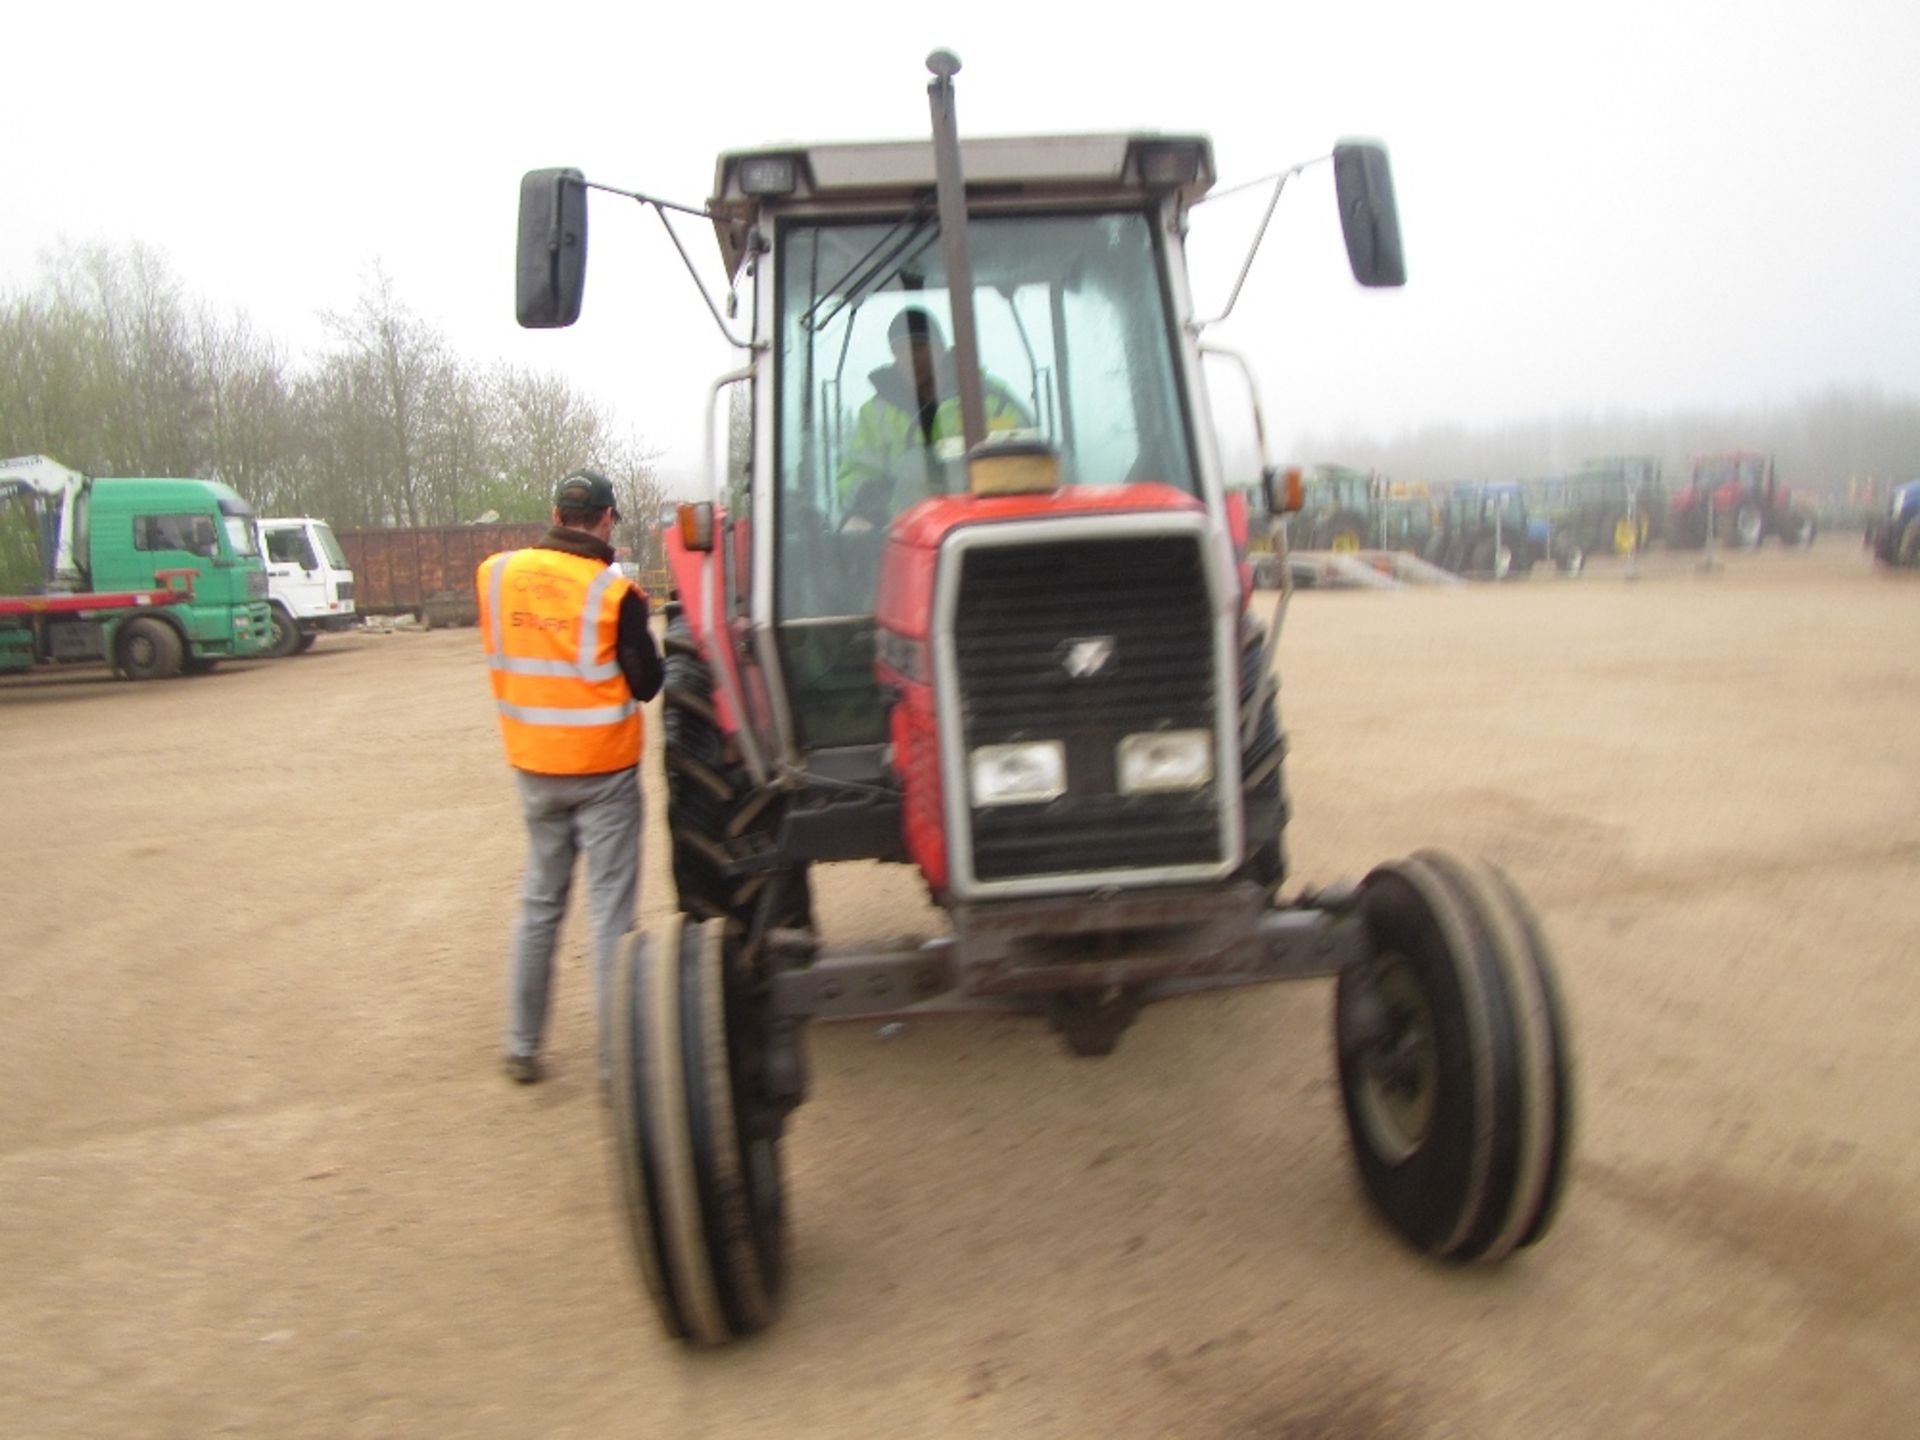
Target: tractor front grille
[{"x": 1028, "y": 616}]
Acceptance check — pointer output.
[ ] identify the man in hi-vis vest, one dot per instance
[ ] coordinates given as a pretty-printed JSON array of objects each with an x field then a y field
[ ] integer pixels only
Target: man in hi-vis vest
[{"x": 571, "y": 659}]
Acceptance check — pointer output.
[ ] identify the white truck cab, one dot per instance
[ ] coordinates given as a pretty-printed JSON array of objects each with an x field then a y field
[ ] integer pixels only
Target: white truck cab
[{"x": 309, "y": 585}]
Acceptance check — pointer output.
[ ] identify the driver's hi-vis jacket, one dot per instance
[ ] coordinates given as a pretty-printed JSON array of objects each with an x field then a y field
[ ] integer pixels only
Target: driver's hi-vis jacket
[{"x": 549, "y": 621}]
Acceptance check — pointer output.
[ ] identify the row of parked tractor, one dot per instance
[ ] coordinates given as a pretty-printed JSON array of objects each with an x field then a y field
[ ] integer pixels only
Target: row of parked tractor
[{"x": 1614, "y": 506}]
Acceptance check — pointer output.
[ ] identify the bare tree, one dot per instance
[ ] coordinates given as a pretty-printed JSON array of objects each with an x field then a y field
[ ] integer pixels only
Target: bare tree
[{"x": 391, "y": 358}]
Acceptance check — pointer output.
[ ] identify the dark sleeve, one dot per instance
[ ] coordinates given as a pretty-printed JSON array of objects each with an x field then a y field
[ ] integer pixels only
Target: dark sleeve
[{"x": 633, "y": 645}]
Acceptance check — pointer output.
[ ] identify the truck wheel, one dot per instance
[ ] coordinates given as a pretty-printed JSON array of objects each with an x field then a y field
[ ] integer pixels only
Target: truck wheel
[
  {"x": 1263, "y": 754},
  {"x": 149, "y": 649},
  {"x": 696, "y": 1153},
  {"x": 1453, "y": 1060},
  {"x": 286, "y": 634},
  {"x": 716, "y": 816},
  {"x": 1569, "y": 557}
]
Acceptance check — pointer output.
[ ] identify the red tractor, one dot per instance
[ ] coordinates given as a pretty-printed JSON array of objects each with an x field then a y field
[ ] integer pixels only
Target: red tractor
[
  {"x": 1032, "y": 674},
  {"x": 1735, "y": 499}
]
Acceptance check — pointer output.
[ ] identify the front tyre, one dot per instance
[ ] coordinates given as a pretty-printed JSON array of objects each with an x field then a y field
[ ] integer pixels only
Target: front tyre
[
  {"x": 1453, "y": 1057},
  {"x": 696, "y": 1148},
  {"x": 719, "y": 822},
  {"x": 1263, "y": 755},
  {"x": 1493, "y": 559},
  {"x": 149, "y": 649},
  {"x": 286, "y": 634}
]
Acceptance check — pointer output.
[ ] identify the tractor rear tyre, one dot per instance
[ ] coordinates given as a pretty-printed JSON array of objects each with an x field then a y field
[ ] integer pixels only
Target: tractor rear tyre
[
  {"x": 149, "y": 649},
  {"x": 286, "y": 634},
  {"x": 1745, "y": 526},
  {"x": 1453, "y": 1060},
  {"x": 1263, "y": 754},
  {"x": 717, "y": 818},
  {"x": 696, "y": 1150}
]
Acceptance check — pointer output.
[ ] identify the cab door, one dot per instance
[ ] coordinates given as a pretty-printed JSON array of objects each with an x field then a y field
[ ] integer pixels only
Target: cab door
[{"x": 294, "y": 574}]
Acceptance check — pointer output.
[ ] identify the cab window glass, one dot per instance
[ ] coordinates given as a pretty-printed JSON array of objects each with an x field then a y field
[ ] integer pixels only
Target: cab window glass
[
  {"x": 290, "y": 547},
  {"x": 192, "y": 533}
]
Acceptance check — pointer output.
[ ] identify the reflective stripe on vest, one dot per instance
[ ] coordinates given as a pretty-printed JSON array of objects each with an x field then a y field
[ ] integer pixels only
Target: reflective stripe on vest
[{"x": 560, "y": 713}]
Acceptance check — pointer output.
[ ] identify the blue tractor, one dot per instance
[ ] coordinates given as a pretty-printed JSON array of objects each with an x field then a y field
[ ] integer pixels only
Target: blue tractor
[
  {"x": 1895, "y": 536},
  {"x": 1484, "y": 530}
]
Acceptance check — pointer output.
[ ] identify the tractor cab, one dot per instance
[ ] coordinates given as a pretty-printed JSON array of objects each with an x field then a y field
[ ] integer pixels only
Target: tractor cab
[
  {"x": 1081, "y": 355},
  {"x": 1339, "y": 509}
]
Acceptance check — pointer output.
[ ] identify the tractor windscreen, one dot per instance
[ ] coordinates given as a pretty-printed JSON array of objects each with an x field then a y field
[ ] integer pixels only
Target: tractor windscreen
[{"x": 1076, "y": 348}]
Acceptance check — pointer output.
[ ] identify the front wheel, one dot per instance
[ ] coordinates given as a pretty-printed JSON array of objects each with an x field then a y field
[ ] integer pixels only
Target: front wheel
[
  {"x": 696, "y": 1144},
  {"x": 1263, "y": 756},
  {"x": 1347, "y": 534},
  {"x": 1493, "y": 558},
  {"x": 1453, "y": 1060},
  {"x": 286, "y": 634},
  {"x": 150, "y": 649},
  {"x": 718, "y": 820}
]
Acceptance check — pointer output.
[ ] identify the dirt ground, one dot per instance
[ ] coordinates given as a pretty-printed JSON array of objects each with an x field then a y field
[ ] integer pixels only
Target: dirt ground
[{"x": 260, "y": 1175}]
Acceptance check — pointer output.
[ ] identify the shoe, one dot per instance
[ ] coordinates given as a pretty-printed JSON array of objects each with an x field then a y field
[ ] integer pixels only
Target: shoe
[{"x": 521, "y": 1069}]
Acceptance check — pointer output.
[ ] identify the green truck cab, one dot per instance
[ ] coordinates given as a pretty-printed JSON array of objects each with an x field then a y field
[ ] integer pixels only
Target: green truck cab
[{"x": 153, "y": 576}]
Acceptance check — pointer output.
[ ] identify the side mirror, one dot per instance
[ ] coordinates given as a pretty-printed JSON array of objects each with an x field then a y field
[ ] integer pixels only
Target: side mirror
[
  {"x": 1364, "y": 184},
  {"x": 551, "y": 262}
]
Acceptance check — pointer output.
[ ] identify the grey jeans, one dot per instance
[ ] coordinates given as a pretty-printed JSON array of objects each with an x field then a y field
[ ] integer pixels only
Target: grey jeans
[{"x": 565, "y": 814}]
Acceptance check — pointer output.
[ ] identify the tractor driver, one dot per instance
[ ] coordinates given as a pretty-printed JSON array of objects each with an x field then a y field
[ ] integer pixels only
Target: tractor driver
[{"x": 904, "y": 433}]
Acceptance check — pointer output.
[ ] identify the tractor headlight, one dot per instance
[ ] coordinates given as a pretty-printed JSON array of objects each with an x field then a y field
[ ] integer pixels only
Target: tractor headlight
[
  {"x": 1161, "y": 760},
  {"x": 1023, "y": 774}
]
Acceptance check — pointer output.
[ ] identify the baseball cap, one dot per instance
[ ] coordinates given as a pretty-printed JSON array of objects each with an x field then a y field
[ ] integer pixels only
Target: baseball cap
[{"x": 585, "y": 490}]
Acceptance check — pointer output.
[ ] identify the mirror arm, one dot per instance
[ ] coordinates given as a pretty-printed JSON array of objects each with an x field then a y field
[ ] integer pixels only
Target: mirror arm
[
  {"x": 660, "y": 208},
  {"x": 1279, "y": 184}
]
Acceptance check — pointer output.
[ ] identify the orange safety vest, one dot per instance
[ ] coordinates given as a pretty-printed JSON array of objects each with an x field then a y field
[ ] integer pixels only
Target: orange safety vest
[{"x": 548, "y": 620}]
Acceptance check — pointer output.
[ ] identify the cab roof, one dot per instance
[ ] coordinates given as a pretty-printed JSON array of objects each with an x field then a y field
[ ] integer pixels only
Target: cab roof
[{"x": 1137, "y": 166}]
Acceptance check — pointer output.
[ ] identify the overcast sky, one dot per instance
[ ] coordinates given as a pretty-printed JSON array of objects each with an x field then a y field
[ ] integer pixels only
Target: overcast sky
[{"x": 1605, "y": 206}]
